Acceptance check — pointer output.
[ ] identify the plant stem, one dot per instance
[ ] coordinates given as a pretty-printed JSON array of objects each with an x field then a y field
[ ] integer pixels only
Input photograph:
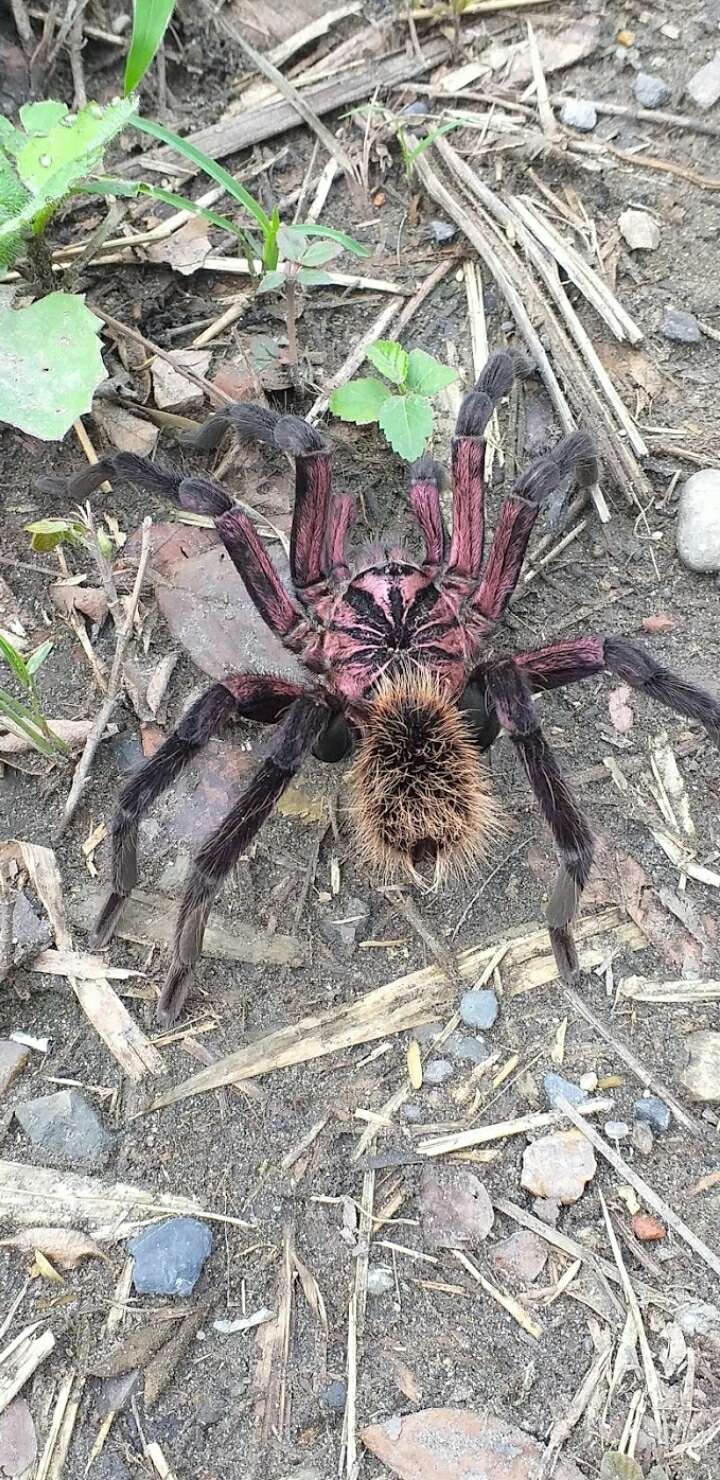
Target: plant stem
[{"x": 291, "y": 320}]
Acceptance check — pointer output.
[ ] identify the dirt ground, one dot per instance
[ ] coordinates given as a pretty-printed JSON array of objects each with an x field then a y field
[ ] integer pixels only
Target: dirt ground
[{"x": 435, "y": 1339}]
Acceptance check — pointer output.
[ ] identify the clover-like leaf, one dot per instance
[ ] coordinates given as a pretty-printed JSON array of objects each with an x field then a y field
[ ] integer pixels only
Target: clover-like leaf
[
  {"x": 316, "y": 254},
  {"x": 390, "y": 359},
  {"x": 292, "y": 244},
  {"x": 271, "y": 282},
  {"x": 426, "y": 375},
  {"x": 407, "y": 422},
  {"x": 359, "y": 401},
  {"x": 50, "y": 364},
  {"x": 46, "y": 534},
  {"x": 313, "y": 277}
]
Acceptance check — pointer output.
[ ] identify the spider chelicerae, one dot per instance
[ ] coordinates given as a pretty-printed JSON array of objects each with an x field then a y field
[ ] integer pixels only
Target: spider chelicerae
[{"x": 403, "y": 669}]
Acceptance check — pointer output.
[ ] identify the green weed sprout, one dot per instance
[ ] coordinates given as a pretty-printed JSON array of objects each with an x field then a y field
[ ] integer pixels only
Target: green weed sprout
[
  {"x": 29, "y": 717},
  {"x": 402, "y": 410}
]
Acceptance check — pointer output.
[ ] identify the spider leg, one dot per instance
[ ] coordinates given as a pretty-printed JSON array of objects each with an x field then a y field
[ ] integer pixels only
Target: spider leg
[
  {"x": 511, "y": 694},
  {"x": 518, "y": 514},
  {"x": 576, "y": 658},
  {"x": 468, "y": 466},
  {"x": 342, "y": 515},
  {"x": 297, "y": 732},
  {"x": 426, "y": 480},
  {"x": 246, "y": 695}
]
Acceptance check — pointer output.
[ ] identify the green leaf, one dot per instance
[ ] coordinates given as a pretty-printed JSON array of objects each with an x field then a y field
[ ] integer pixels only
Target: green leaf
[
  {"x": 37, "y": 658},
  {"x": 271, "y": 282},
  {"x": 270, "y": 251},
  {"x": 316, "y": 254},
  {"x": 108, "y": 185},
  {"x": 48, "y": 533},
  {"x": 20, "y": 716},
  {"x": 150, "y": 21},
  {"x": 210, "y": 167},
  {"x": 348, "y": 242},
  {"x": 313, "y": 277},
  {"x": 15, "y": 661},
  {"x": 359, "y": 401},
  {"x": 39, "y": 118},
  {"x": 410, "y": 155},
  {"x": 390, "y": 359},
  {"x": 50, "y": 364},
  {"x": 426, "y": 375},
  {"x": 292, "y": 245},
  {"x": 407, "y": 422}
]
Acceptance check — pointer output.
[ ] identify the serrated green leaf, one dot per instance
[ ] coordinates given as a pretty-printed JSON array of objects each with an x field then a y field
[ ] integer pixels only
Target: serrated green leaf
[
  {"x": 271, "y": 282},
  {"x": 316, "y": 254},
  {"x": 311, "y": 228},
  {"x": 390, "y": 359},
  {"x": 426, "y": 375},
  {"x": 50, "y": 364},
  {"x": 46, "y": 534},
  {"x": 359, "y": 401},
  {"x": 150, "y": 22},
  {"x": 39, "y": 118},
  {"x": 313, "y": 277},
  {"x": 37, "y": 658},
  {"x": 407, "y": 422},
  {"x": 15, "y": 661}
]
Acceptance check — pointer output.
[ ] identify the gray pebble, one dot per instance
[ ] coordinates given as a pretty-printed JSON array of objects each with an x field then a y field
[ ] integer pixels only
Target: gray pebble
[
  {"x": 66, "y": 1129},
  {"x": 436, "y": 1071},
  {"x": 704, "y": 87},
  {"x": 441, "y": 231},
  {"x": 380, "y": 1280},
  {"x": 334, "y": 1396},
  {"x": 681, "y": 326},
  {"x": 547, "y": 1209},
  {"x": 479, "y": 1008},
  {"x": 427, "y": 1032},
  {"x": 697, "y": 534},
  {"x": 651, "y": 91},
  {"x": 579, "y": 114},
  {"x": 617, "y": 1130},
  {"x": 642, "y": 1137},
  {"x": 467, "y": 1047},
  {"x": 411, "y": 1112},
  {"x": 555, "y": 1086},
  {"x": 654, "y": 1112},
  {"x": 169, "y": 1256},
  {"x": 348, "y": 920}
]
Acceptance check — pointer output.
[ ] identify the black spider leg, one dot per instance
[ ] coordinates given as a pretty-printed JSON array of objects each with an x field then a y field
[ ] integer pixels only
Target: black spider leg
[
  {"x": 244, "y": 695},
  {"x": 294, "y": 737},
  {"x": 512, "y": 697}
]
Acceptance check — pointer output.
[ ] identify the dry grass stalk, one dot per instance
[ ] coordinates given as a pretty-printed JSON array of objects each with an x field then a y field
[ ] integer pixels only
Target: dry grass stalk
[
  {"x": 100, "y": 1003},
  {"x": 20, "y": 1359},
  {"x": 643, "y": 989},
  {"x": 109, "y": 1211},
  {"x": 563, "y": 1427},
  {"x": 356, "y": 1322},
  {"x": 480, "y": 1135},
  {"x": 574, "y": 1250},
  {"x": 60, "y": 1433},
  {"x": 651, "y": 1377},
  {"x": 644, "y": 1190},
  {"x": 508, "y": 1302}
]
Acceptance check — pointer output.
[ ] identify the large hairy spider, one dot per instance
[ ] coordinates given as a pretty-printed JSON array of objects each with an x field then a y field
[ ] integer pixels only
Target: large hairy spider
[{"x": 402, "y": 668}]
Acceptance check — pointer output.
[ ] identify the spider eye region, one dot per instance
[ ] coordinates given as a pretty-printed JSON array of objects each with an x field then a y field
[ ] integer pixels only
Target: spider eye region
[{"x": 421, "y": 790}]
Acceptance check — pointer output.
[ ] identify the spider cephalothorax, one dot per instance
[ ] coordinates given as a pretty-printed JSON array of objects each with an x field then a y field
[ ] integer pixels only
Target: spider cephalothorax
[{"x": 401, "y": 668}]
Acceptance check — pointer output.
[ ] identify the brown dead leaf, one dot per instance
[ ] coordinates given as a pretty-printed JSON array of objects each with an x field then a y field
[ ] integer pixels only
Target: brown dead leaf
[
  {"x": 135, "y": 1350},
  {"x": 18, "y": 1440},
  {"x": 305, "y": 806},
  {"x": 645, "y": 907},
  {"x": 73, "y": 731},
  {"x": 406, "y": 1381},
  {"x": 89, "y": 601},
  {"x": 63, "y": 1246},
  {"x": 621, "y": 714},
  {"x": 123, "y": 430},
  {"x": 457, "y": 1444},
  {"x": 659, "y": 623},
  {"x": 455, "y": 1208},
  {"x": 558, "y": 50},
  {"x": 184, "y": 251}
]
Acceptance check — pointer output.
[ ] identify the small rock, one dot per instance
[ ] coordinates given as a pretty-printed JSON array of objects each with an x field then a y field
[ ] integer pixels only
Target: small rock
[
  {"x": 468, "y": 1048},
  {"x": 455, "y": 1208},
  {"x": 209, "y": 1413},
  {"x": 436, "y": 1071},
  {"x": 18, "y": 1440},
  {"x": 647, "y": 1229},
  {"x": 441, "y": 231},
  {"x": 114, "y": 1394},
  {"x": 617, "y": 1466},
  {"x": 640, "y": 230},
  {"x": 380, "y": 1280},
  {"x": 579, "y": 114},
  {"x": 523, "y": 1255},
  {"x": 701, "y": 1075},
  {"x": 698, "y": 1318},
  {"x": 411, "y": 1112},
  {"x": 479, "y": 1008},
  {"x": 547, "y": 1209},
  {"x": 559, "y": 1166},
  {"x": 642, "y": 1137},
  {"x": 698, "y": 525},
  {"x": 66, "y": 1129},
  {"x": 588, "y": 1082},
  {"x": 681, "y": 326},
  {"x": 334, "y": 1396},
  {"x": 653, "y": 1112},
  {"x": 704, "y": 87},
  {"x": 428, "y": 1031},
  {"x": 458, "y": 1444},
  {"x": 617, "y": 1130},
  {"x": 173, "y": 390},
  {"x": 349, "y": 920},
  {"x": 169, "y": 1256},
  {"x": 31, "y": 931},
  {"x": 556, "y": 1088},
  {"x": 650, "y": 91},
  {"x": 13, "y": 1058}
]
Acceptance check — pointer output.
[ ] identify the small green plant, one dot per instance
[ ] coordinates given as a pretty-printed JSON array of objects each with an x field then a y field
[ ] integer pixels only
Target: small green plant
[
  {"x": 402, "y": 410},
  {"x": 300, "y": 264},
  {"x": 29, "y": 717}
]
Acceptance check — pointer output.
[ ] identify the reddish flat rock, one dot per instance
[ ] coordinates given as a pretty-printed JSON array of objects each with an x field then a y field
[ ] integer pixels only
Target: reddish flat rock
[{"x": 456, "y": 1444}]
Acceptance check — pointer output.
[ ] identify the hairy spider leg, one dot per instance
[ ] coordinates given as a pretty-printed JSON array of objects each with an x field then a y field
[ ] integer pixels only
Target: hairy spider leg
[
  {"x": 241, "y": 695},
  {"x": 294, "y": 737},
  {"x": 468, "y": 467},
  {"x": 261, "y": 580},
  {"x": 426, "y": 480},
  {"x": 342, "y": 516},
  {"x": 518, "y": 514},
  {"x": 572, "y": 660},
  {"x": 512, "y": 696}
]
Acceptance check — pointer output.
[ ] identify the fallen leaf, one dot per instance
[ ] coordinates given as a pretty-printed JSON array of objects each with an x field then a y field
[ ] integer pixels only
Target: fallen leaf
[
  {"x": 306, "y": 806},
  {"x": 558, "y": 50},
  {"x": 406, "y": 1381},
  {"x": 151, "y": 738},
  {"x": 46, "y": 1269},
  {"x": 171, "y": 388},
  {"x": 621, "y": 714},
  {"x": 647, "y": 1228},
  {"x": 644, "y": 906},
  {"x": 134, "y": 1351},
  {"x": 455, "y": 1208},
  {"x": 73, "y": 731},
  {"x": 89, "y": 601},
  {"x": 123, "y": 430},
  {"x": 18, "y": 1440},
  {"x": 659, "y": 623},
  {"x": 184, "y": 251},
  {"x": 65, "y": 1246},
  {"x": 457, "y": 1444}
]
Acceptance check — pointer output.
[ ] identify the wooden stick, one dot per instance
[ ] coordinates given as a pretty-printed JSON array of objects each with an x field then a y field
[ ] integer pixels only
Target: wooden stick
[
  {"x": 567, "y": 1245},
  {"x": 481, "y": 1134},
  {"x": 651, "y": 1377},
  {"x": 645, "y": 1191},
  {"x": 508, "y": 1303}
]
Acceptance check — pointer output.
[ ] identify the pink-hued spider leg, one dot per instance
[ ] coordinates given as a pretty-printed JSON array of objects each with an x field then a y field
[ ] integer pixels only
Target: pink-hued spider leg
[
  {"x": 426, "y": 480},
  {"x": 512, "y": 697},
  {"x": 313, "y": 497},
  {"x": 251, "y": 696},
  {"x": 342, "y": 516},
  {"x": 468, "y": 466},
  {"x": 518, "y": 514},
  {"x": 296, "y": 733}
]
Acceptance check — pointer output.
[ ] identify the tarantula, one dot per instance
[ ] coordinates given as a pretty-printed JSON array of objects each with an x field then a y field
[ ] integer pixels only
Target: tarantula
[{"x": 402, "y": 668}]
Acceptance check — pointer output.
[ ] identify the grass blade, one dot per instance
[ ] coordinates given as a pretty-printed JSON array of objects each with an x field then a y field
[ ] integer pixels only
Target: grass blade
[
  {"x": 22, "y": 722},
  {"x": 15, "y": 661},
  {"x": 209, "y": 166},
  {"x": 107, "y": 186},
  {"x": 348, "y": 242},
  {"x": 150, "y": 22}
]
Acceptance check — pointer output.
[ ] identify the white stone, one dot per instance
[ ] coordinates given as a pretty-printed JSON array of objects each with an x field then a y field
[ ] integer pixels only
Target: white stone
[
  {"x": 640, "y": 231},
  {"x": 704, "y": 87},
  {"x": 579, "y": 114},
  {"x": 697, "y": 534}
]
